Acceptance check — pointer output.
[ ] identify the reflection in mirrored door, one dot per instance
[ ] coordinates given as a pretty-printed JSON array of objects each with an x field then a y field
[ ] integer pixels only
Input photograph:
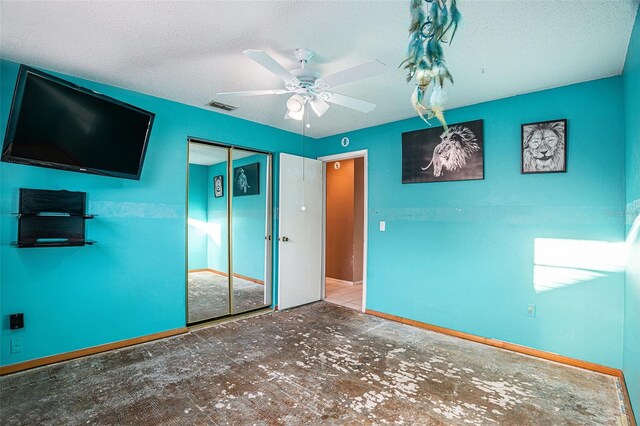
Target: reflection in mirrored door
[
  {"x": 229, "y": 211},
  {"x": 250, "y": 219},
  {"x": 207, "y": 234}
]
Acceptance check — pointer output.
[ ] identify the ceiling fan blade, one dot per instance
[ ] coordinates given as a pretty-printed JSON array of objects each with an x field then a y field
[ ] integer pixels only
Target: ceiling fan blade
[
  {"x": 264, "y": 59},
  {"x": 318, "y": 105},
  {"x": 349, "y": 102},
  {"x": 359, "y": 72},
  {"x": 254, "y": 92}
]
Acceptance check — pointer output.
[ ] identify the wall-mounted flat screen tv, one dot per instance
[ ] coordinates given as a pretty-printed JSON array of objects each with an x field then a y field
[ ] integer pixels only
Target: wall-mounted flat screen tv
[{"x": 54, "y": 123}]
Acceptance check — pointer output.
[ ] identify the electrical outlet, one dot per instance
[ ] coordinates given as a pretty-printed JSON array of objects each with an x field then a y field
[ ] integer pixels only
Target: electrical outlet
[
  {"x": 16, "y": 321},
  {"x": 16, "y": 345},
  {"x": 531, "y": 310}
]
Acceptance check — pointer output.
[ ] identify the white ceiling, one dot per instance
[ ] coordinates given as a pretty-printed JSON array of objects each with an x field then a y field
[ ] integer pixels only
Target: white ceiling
[
  {"x": 189, "y": 51},
  {"x": 208, "y": 155}
]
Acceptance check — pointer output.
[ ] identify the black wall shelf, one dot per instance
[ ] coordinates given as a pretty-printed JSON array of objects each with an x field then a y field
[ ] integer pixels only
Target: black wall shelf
[
  {"x": 51, "y": 214},
  {"x": 52, "y": 219}
]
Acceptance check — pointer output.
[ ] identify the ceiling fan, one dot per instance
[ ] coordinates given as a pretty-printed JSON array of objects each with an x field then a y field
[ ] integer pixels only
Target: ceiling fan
[{"x": 309, "y": 87}]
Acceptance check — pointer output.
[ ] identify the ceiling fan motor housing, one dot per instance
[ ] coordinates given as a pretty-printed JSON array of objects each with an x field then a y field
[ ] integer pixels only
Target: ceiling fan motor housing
[{"x": 306, "y": 79}]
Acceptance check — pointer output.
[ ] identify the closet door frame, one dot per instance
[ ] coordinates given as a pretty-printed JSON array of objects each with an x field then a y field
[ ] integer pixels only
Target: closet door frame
[{"x": 268, "y": 264}]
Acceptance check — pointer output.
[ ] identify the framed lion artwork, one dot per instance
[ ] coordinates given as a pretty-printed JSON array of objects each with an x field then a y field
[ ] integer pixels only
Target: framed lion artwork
[
  {"x": 436, "y": 155},
  {"x": 544, "y": 147}
]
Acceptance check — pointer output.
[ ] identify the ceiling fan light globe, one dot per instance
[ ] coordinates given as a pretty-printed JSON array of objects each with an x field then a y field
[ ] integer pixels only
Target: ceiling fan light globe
[
  {"x": 298, "y": 115},
  {"x": 295, "y": 104}
]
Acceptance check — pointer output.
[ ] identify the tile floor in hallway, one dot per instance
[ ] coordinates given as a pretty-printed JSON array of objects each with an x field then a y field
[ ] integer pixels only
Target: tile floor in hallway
[
  {"x": 347, "y": 295},
  {"x": 317, "y": 364}
]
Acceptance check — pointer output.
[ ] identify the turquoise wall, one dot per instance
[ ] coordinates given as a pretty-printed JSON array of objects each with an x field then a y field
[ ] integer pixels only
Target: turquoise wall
[
  {"x": 463, "y": 255},
  {"x": 631, "y": 88},
  {"x": 132, "y": 283},
  {"x": 197, "y": 214},
  {"x": 458, "y": 254}
]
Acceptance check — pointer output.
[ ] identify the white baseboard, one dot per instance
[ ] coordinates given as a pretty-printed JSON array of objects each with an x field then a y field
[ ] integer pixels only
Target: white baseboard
[{"x": 337, "y": 281}]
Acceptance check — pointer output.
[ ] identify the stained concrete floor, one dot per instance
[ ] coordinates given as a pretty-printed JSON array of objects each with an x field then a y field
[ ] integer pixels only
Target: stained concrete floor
[
  {"x": 318, "y": 364},
  {"x": 209, "y": 295}
]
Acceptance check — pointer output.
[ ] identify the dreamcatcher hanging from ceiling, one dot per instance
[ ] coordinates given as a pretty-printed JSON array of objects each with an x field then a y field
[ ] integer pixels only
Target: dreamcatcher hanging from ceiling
[{"x": 433, "y": 23}]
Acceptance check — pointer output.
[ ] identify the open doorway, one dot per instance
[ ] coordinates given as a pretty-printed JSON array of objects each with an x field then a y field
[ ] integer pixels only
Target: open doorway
[{"x": 345, "y": 229}]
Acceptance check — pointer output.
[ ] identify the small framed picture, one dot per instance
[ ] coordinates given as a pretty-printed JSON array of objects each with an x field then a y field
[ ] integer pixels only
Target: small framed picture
[
  {"x": 544, "y": 147},
  {"x": 218, "y": 186}
]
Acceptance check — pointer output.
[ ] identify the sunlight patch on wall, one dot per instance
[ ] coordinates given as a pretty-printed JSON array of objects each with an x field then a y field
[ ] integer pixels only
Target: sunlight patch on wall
[
  {"x": 632, "y": 237},
  {"x": 547, "y": 278},
  {"x": 562, "y": 262},
  {"x": 213, "y": 230}
]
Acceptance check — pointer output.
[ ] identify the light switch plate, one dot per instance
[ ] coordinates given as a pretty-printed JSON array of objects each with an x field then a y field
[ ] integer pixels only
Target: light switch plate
[
  {"x": 383, "y": 225},
  {"x": 16, "y": 345}
]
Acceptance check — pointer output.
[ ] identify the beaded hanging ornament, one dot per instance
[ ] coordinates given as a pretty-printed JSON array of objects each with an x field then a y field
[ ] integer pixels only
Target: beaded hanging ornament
[{"x": 433, "y": 23}]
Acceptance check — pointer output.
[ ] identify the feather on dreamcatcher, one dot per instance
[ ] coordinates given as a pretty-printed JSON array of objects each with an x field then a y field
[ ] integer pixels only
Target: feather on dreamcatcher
[{"x": 433, "y": 22}]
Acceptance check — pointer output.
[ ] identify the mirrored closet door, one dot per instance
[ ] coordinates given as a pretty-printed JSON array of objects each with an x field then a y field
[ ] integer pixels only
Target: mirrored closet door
[
  {"x": 228, "y": 210},
  {"x": 249, "y": 224}
]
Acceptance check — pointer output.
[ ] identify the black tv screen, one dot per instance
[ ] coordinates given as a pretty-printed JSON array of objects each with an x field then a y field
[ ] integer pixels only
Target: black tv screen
[{"x": 54, "y": 123}]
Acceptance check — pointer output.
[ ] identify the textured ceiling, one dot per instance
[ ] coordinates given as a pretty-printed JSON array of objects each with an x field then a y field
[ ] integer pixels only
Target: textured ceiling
[{"x": 189, "y": 51}]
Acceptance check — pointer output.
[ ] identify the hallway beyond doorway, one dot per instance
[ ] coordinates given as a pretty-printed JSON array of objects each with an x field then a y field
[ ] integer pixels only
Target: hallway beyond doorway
[{"x": 343, "y": 294}]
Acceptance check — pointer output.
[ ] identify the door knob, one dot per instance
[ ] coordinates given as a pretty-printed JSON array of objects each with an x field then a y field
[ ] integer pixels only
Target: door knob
[{"x": 285, "y": 239}]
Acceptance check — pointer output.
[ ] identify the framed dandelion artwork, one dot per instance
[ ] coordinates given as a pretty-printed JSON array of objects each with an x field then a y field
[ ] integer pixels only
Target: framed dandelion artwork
[
  {"x": 439, "y": 155},
  {"x": 246, "y": 180}
]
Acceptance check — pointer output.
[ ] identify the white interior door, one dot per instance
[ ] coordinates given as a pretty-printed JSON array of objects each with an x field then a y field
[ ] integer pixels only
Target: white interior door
[{"x": 300, "y": 231}]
